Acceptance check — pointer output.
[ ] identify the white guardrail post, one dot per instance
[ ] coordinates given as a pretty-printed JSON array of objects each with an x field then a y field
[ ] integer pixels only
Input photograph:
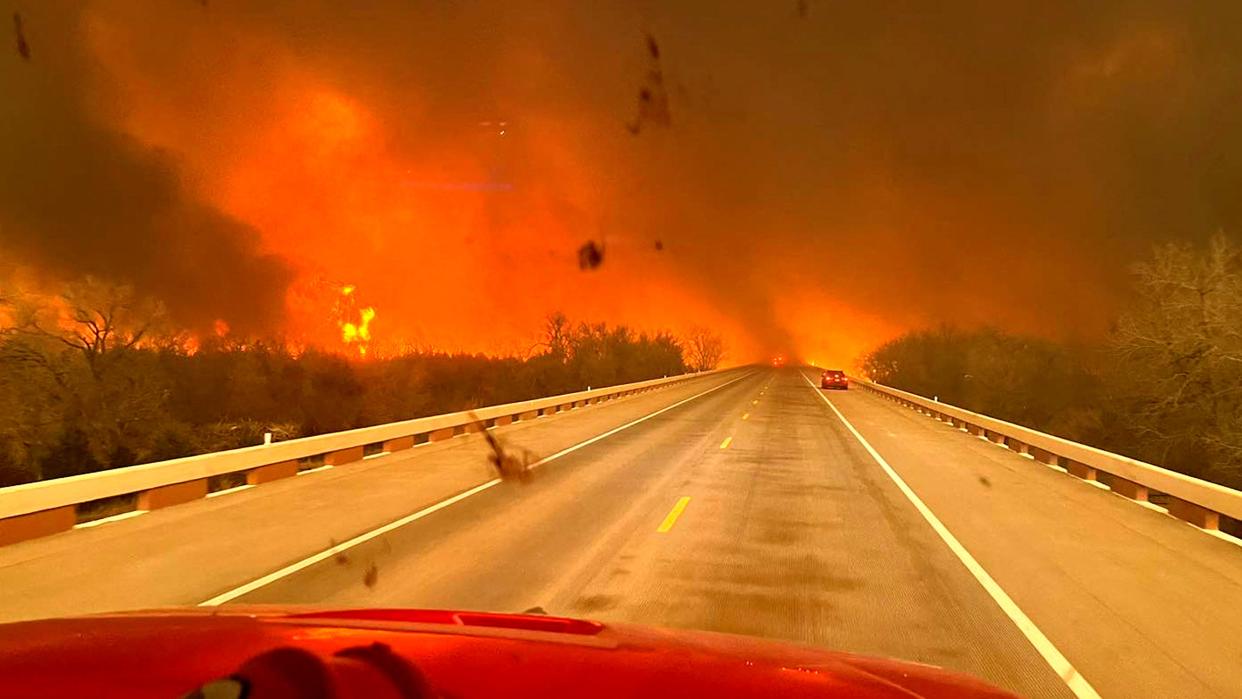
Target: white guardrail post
[
  {"x": 1191, "y": 499},
  {"x": 41, "y": 508}
]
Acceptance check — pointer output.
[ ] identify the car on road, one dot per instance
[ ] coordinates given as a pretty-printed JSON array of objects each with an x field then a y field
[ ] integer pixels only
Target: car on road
[
  {"x": 834, "y": 378},
  {"x": 249, "y": 652}
]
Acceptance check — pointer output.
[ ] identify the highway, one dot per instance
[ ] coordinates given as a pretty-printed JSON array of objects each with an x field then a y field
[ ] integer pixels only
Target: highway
[{"x": 746, "y": 502}]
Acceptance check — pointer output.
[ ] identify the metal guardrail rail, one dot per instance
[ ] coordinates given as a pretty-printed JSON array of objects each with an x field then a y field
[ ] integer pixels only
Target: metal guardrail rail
[
  {"x": 1191, "y": 499},
  {"x": 37, "y": 509}
]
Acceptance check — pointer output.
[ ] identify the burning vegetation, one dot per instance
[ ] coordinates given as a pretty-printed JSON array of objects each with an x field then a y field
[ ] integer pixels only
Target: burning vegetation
[
  {"x": 354, "y": 320},
  {"x": 98, "y": 377}
]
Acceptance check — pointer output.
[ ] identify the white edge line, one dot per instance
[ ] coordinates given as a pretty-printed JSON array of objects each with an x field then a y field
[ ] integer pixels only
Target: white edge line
[
  {"x": 1223, "y": 536},
  {"x": 110, "y": 518},
  {"x": 367, "y": 536},
  {"x": 332, "y": 551},
  {"x": 1059, "y": 663},
  {"x": 1149, "y": 505},
  {"x": 317, "y": 469},
  {"x": 234, "y": 489}
]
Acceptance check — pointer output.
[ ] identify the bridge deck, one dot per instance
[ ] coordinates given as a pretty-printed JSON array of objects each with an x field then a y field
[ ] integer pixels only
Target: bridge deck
[{"x": 791, "y": 529}]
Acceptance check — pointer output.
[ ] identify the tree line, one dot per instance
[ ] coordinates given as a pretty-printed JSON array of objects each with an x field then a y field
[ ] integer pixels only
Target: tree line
[
  {"x": 1165, "y": 385},
  {"x": 96, "y": 378}
]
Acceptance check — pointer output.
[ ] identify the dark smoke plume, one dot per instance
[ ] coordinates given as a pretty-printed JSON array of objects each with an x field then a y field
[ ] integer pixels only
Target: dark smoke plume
[{"x": 77, "y": 197}]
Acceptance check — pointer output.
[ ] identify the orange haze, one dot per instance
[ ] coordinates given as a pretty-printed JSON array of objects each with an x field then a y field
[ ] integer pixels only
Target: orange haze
[
  {"x": 453, "y": 251},
  {"x": 806, "y": 185}
]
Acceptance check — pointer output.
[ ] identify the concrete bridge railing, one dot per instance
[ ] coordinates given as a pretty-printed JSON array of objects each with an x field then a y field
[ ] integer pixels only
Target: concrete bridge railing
[
  {"x": 1194, "y": 500},
  {"x": 41, "y": 508}
]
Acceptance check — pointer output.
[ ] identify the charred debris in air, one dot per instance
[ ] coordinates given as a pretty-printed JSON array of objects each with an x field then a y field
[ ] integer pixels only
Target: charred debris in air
[
  {"x": 590, "y": 255},
  {"x": 510, "y": 463},
  {"x": 652, "y": 95},
  {"x": 370, "y": 573},
  {"x": 652, "y": 110},
  {"x": 23, "y": 48}
]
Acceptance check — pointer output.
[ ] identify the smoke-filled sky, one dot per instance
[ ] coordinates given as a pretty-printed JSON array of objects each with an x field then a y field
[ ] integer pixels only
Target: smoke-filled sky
[{"x": 807, "y": 177}]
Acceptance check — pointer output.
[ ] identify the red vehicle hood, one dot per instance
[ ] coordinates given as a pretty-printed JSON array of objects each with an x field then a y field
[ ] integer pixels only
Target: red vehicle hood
[{"x": 461, "y": 655}]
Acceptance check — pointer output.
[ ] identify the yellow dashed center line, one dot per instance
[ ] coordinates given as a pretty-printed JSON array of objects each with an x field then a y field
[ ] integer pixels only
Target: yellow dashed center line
[
  {"x": 755, "y": 402},
  {"x": 673, "y": 514},
  {"x": 725, "y": 444},
  {"x": 745, "y": 415}
]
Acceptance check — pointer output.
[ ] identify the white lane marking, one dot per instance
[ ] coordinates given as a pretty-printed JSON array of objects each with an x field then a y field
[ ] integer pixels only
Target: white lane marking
[
  {"x": 628, "y": 425},
  {"x": 1060, "y": 665},
  {"x": 367, "y": 536}
]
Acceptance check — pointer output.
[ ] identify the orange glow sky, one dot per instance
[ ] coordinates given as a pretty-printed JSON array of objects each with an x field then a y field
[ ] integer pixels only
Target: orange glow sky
[{"x": 825, "y": 182}]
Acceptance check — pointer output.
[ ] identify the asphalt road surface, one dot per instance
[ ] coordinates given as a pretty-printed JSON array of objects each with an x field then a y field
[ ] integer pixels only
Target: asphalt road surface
[{"x": 742, "y": 503}]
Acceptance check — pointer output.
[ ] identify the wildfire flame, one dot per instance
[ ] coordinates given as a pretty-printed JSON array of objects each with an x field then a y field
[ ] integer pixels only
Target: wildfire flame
[
  {"x": 355, "y": 323},
  {"x": 359, "y": 333}
]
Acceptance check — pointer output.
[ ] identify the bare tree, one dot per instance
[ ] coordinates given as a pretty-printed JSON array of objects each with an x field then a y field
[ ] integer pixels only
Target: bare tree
[
  {"x": 704, "y": 349},
  {"x": 556, "y": 335},
  {"x": 1179, "y": 356},
  {"x": 82, "y": 347},
  {"x": 97, "y": 319}
]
